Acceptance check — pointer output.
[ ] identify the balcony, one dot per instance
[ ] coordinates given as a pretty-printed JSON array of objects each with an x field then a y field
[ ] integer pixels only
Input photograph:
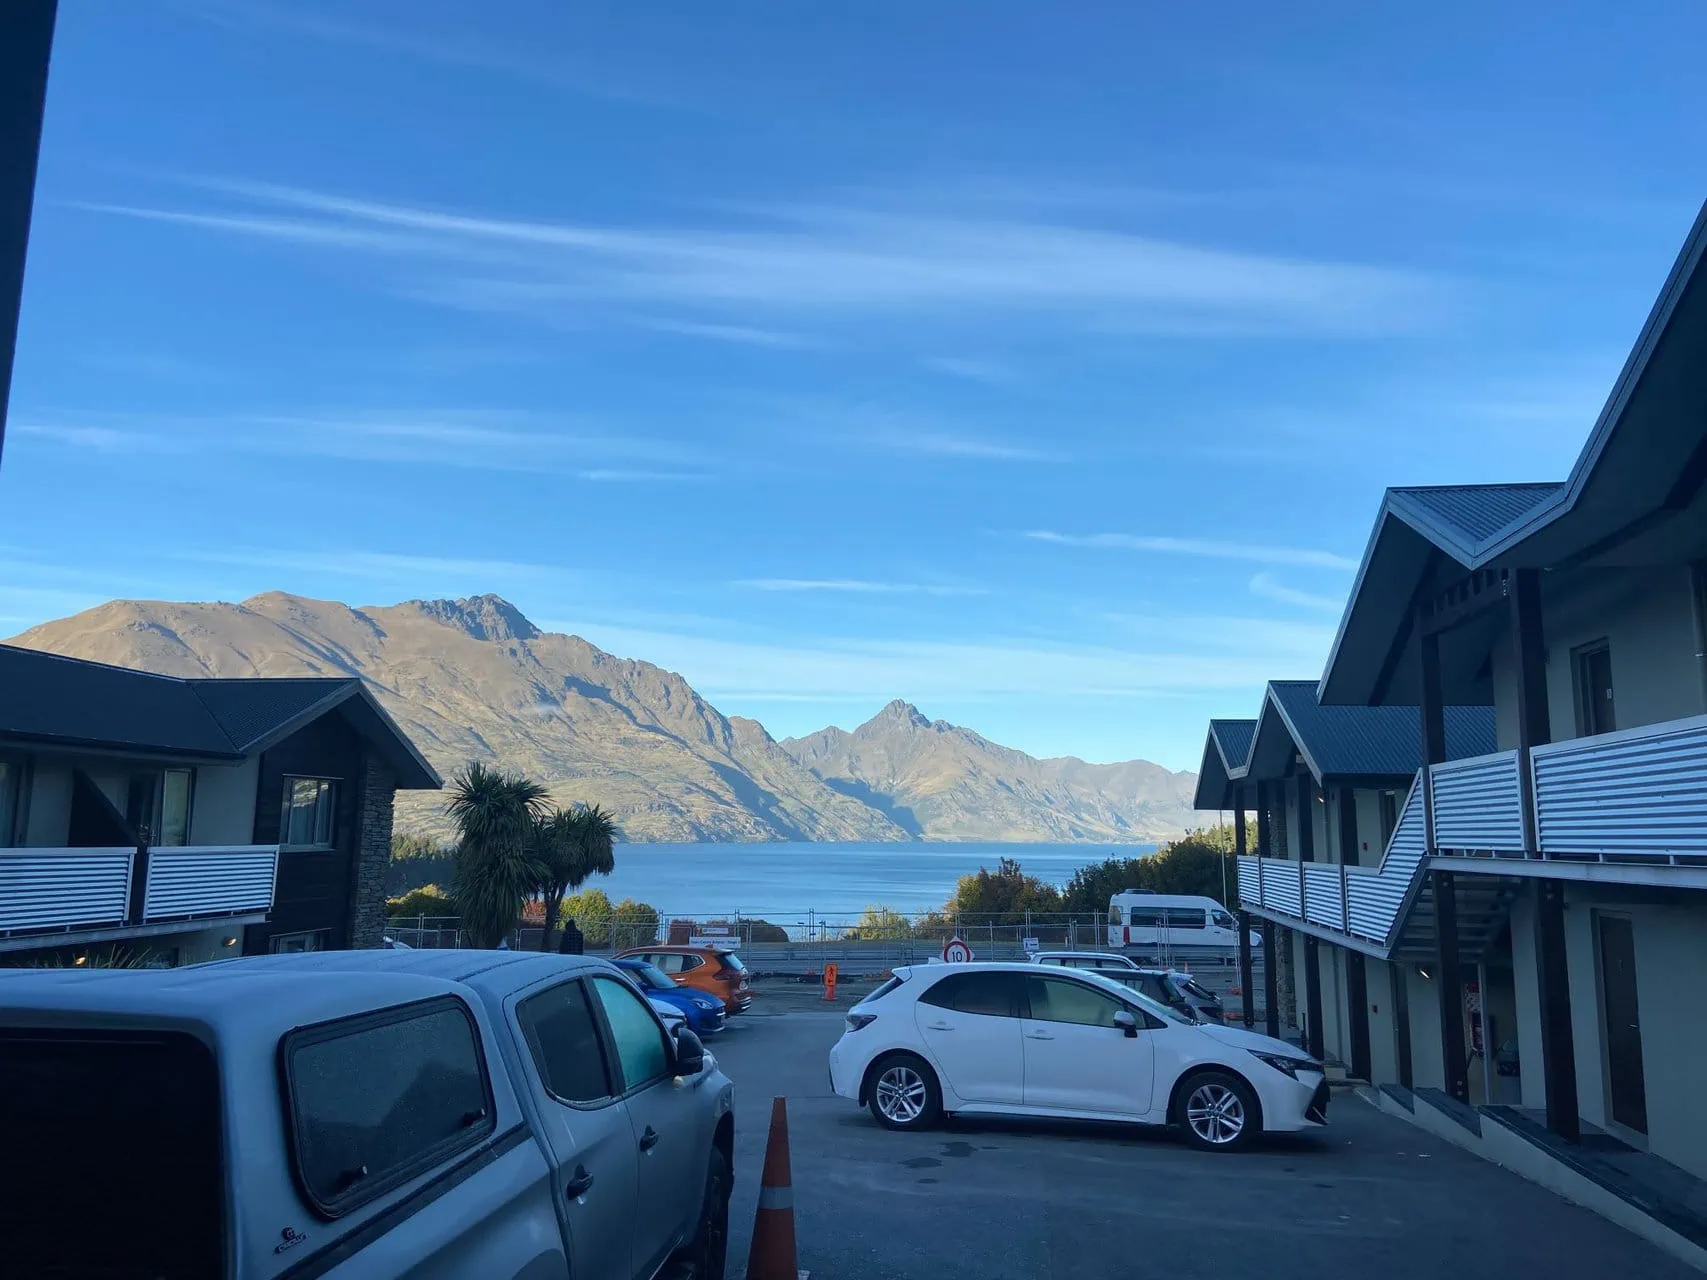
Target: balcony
[
  {"x": 1636, "y": 797},
  {"x": 44, "y": 892}
]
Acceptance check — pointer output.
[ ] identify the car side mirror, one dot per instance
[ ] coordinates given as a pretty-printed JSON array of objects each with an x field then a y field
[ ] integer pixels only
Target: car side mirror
[
  {"x": 1127, "y": 1023},
  {"x": 690, "y": 1053}
]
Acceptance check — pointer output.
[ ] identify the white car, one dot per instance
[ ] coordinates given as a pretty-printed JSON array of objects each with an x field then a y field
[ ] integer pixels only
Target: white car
[
  {"x": 671, "y": 1016},
  {"x": 1020, "y": 1039}
]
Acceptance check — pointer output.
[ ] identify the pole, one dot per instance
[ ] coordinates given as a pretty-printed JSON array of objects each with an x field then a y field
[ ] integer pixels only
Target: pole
[{"x": 1487, "y": 1043}]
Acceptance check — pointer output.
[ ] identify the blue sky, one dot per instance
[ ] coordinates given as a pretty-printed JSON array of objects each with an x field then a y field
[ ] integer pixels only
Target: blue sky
[{"x": 1041, "y": 364}]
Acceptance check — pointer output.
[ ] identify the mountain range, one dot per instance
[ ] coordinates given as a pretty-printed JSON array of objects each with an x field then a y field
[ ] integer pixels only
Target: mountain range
[{"x": 473, "y": 679}]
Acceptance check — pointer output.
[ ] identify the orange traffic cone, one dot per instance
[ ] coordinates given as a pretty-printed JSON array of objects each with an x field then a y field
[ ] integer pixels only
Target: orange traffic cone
[{"x": 772, "y": 1256}]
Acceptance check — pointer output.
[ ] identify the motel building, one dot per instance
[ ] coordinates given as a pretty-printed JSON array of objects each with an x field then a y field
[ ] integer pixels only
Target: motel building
[{"x": 1479, "y": 857}]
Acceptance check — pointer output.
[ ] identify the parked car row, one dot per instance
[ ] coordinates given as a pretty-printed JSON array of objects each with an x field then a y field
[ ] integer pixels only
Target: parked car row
[{"x": 1055, "y": 1040}]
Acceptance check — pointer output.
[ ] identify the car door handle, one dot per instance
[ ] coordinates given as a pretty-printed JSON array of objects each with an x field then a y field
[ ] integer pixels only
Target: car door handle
[
  {"x": 1038, "y": 1035},
  {"x": 649, "y": 1139},
  {"x": 938, "y": 1026},
  {"x": 580, "y": 1182}
]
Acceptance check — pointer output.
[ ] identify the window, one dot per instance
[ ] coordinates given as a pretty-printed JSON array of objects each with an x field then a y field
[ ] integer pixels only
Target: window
[
  {"x": 358, "y": 1132},
  {"x": 1389, "y": 816},
  {"x": 563, "y": 1036},
  {"x": 176, "y": 789},
  {"x": 640, "y": 1048},
  {"x": 156, "y": 1212},
  {"x": 293, "y": 943},
  {"x": 1223, "y": 920},
  {"x": 1168, "y": 917},
  {"x": 11, "y": 802},
  {"x": 665, "y": 963},
  {"x": 1063, "y": 1000},
  {"x": 992, "y": 994},
  {"x": 1592, "y": 668},
  {"x": 1116, "y": 916},
  {"x": 649, "y": 977},
  {"x": 308, "y": 804}
]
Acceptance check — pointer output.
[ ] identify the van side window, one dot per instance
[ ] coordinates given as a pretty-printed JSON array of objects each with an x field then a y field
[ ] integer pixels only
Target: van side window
[
  {"x": 376, "y": 1100},
  {"x": 1116, "y": 916}
]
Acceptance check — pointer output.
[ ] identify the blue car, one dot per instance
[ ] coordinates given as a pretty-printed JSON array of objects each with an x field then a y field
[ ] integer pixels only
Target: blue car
[{"x": 704, "y": 1013}]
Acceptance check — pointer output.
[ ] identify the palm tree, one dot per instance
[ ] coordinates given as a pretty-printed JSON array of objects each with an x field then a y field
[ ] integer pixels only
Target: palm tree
[
  {"x": 495, "y": 869},
  {"x": 570, "y": 845}
]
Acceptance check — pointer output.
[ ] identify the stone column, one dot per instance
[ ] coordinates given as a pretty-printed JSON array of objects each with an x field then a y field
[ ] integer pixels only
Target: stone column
[{"x": 373, "y": 854}]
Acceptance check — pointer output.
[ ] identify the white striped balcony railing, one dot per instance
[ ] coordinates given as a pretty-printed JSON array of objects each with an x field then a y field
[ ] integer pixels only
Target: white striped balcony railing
[{"x": 64, "y": 890}]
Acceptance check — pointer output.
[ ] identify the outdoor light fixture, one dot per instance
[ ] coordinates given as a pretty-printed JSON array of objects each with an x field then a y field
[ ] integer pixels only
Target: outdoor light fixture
[
  {"x": 228, "y": 942},
  {"x": 80, "y": 960},
  {"x": 1423, "y": 971}
]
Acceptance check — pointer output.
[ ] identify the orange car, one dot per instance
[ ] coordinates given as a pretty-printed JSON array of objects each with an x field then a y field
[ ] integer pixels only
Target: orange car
[{"x": 712, "y": 970}]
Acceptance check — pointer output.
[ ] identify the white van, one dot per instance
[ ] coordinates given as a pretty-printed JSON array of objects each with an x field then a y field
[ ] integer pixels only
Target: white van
[{"x": 1140, "y": 919}]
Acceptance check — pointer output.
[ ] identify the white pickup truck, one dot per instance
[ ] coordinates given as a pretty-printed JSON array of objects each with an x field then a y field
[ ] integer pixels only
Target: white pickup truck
[{"x": 438, "y": 1115}]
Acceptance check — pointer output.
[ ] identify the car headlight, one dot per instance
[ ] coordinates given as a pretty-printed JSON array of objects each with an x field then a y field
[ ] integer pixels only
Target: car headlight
[{"x": 1285, "y": 1065}]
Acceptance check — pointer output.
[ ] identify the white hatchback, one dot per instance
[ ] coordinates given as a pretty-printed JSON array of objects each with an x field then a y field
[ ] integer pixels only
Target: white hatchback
[{"x": 1018, "y": 1039}]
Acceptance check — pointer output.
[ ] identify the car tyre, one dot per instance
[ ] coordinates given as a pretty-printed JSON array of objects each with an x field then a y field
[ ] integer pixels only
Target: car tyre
[
  {"x": 710, "y": 1248},
  {"x": 1217, "y": 1111},
  {"x": 904, "y": 1093}
]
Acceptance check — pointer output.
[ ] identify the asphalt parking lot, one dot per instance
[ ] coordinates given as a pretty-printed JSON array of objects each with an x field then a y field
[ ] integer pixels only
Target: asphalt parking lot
[{"x": 993, "y": 1200}]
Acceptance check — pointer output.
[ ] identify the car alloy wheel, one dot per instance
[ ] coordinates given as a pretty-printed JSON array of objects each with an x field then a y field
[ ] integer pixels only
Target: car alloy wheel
[
  {"x": 1215, "y": 1113},
  {"x": 902, "y": 1094}
]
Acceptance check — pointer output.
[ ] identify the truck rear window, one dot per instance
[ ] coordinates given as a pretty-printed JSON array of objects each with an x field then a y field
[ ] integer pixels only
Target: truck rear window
[
  {"x": 379, "y": 1099},
  {"x": 115, "y": 1167}
]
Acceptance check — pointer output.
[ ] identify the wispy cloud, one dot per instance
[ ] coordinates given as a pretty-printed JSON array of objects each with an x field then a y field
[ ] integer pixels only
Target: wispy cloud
[
  {"x": 1269, "y": 587},
  {"x": 344, "y": 562},
  {"x": 474, "y": 439},
  {"x": 1255, "y": 553},
  {"x": 856, "y": 586},
  {"x": 993, "y": 372},
  {"x": 743, "y": 335},
  {"x": 410, "y": 37},
  {"x": 949, "y": 444},
  {"x": 809, "y": 259}
]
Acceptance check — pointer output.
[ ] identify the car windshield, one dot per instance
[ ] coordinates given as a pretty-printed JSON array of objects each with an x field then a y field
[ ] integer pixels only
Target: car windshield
[
  {"x": 651, "y": 977},
  {"x": 1138, "y": 998},
  {"x": 1191, "y": 988}
]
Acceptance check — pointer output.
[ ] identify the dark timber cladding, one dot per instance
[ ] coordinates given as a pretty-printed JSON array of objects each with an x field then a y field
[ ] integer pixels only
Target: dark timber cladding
[
  {"x": 1558, "y": 1053},
  {"x": 26, "y": 37},
  {"x": 1445, "y": 903},
  {"x": 1356, "y": 985},
  {"x": 1239, "y": 850},
  {"x": 313, "y": 891}
]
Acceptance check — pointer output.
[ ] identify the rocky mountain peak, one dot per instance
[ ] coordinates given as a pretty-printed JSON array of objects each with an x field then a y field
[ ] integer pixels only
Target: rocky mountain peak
[
  {"x": 485, "y": 617},
  {"x": 899, "y": 714}
]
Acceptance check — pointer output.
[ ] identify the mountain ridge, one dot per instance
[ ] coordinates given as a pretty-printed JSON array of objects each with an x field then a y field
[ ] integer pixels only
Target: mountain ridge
[{"x": 474, "y": 679}]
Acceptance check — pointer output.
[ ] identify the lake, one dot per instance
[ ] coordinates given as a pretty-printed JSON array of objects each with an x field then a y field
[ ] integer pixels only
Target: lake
[{"x": 786, "y": 882}]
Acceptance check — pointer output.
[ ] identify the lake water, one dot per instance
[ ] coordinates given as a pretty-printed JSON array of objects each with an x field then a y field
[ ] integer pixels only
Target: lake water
[{"x": 784, "y": 882}]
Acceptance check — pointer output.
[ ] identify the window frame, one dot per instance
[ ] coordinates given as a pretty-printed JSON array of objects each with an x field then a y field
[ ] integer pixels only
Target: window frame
[
  {"x": 285, "y": 807},
  {"x": 1031, "y": 1016},
  {"x": 367, "y": 1192},
  {"x": 273, "y": 948},
  {"x": 613, "y": 1051},
  {"x": 607, "y": 1048},
  {"x": 22, "y": 774},
  {"x": 159, "y": 831},
  {"x": 1581, "y": 658},
  {"x": 1016, "y": 995}
]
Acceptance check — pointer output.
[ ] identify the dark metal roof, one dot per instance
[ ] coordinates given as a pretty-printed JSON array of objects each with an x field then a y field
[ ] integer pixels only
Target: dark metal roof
[
  {"x": 1476, "y": 512},
  {"x": 251, "y": 710},
  {"x": 47, "y": 697},
  {"x": 1234, "y": 739},
  {"x": 50, "y": 698},
  {"x": 1225, "y": 751},
  {"x": 1370, "y": 741}
]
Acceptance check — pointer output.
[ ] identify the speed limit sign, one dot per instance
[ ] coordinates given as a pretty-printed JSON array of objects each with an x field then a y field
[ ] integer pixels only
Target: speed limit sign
[{"x": 955, "y": 951}]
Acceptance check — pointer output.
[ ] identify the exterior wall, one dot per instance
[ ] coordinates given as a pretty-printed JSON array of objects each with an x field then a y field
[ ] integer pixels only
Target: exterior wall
[
  {"x": 222, "y": 807},
  {"x": 48, "y": 818},
  {"x": 1383, "y": 1032},
  {"x": 314, "y": 884},
  {"x": 1527, "y": 992},
  {"x": 1647, "y": 618},
  {"x": 1427, "y": 1066},
  {"x": 1336, "y": 1036},
  {"x": 1671, "y": 956}
]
